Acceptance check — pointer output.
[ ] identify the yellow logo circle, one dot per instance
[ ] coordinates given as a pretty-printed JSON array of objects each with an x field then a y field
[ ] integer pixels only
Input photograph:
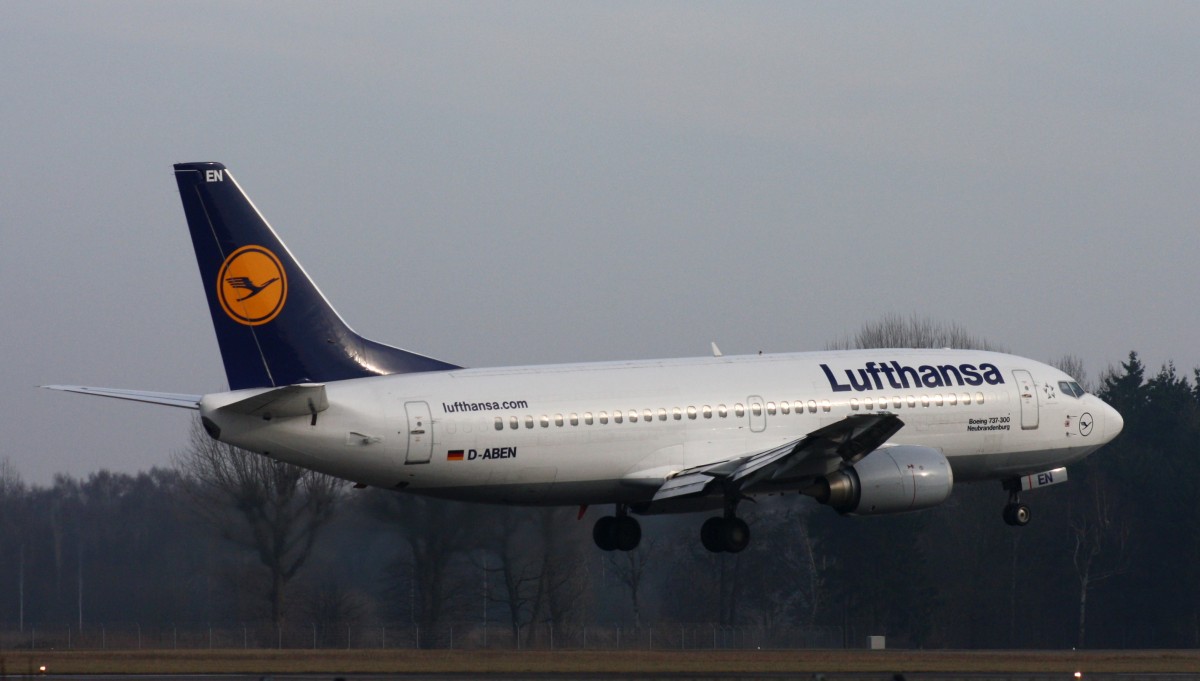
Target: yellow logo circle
[{"x": 252, "y": 285}]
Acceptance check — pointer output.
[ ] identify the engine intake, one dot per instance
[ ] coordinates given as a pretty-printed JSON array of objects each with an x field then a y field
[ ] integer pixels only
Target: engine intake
[{"x": 888, "y": 480}]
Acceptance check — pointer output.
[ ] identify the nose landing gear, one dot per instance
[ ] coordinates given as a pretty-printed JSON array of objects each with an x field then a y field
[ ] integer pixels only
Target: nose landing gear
[{"x": 1015, "y": 513}]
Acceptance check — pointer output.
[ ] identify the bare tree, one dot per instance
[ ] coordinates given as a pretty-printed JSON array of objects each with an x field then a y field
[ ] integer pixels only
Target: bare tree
[
  {"x": 1101, "y": 533},
  {"x": 11, "y": 484},
  {"x": 12, "y": 494},
  {"x": 272, "y": 509},
  {"x": 332, "y": 605},
  {"x": 1072, "y": 366},
  {"x": 895, "y": 331},
  {"x": 630, "y": 567},
  {"x": 519, "y": 565},
  {"x": 427, "y": 574}
]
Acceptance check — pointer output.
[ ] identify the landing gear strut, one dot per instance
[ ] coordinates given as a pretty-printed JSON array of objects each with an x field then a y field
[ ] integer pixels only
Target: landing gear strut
[
  {"x": 1016, "y": 514},
  {"x": 617, "y": 533},
  {"x": 727, "y": 533}
]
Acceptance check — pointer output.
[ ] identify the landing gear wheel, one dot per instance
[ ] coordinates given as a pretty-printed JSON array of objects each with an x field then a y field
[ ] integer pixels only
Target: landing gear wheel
[
  {"x": 737, "y": 535},
  {"x": 710, "y": 534},
  {"x": 619, "y": 533},
  {"x": 627, "y": 533},
  {"x": 1017, "y": 515},
  {"x": 725, "y": 534},
  {"x": 604, "y": 533}
]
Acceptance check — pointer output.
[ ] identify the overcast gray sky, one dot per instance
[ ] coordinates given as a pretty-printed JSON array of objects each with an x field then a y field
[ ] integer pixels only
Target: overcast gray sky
[{"x": 513, "y": 183}]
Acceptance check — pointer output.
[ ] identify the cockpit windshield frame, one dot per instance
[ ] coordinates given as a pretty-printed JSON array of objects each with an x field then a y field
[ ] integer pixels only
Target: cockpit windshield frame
[{"x": 1071, "y": 388}]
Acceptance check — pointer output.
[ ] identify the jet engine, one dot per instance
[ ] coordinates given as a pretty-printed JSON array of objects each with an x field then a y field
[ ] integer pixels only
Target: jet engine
[{"x": 888, "y": 480}]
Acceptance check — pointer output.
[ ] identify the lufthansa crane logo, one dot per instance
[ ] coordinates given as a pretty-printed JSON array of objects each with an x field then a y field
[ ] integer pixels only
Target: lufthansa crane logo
[
  {"x": 1085, "y": 424},
  {"x": 252, "y": 285}
]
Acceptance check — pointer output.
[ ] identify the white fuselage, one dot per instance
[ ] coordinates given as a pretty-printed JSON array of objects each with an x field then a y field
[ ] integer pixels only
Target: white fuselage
[{"x": 612, "y": 432}]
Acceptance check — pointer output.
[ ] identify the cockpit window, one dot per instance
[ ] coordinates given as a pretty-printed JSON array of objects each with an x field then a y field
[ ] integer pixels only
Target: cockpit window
[{"x": 1071, "y": 388}]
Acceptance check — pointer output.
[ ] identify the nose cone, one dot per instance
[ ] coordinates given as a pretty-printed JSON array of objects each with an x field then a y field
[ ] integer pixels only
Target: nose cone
[{"x": 1113, "y": 423}]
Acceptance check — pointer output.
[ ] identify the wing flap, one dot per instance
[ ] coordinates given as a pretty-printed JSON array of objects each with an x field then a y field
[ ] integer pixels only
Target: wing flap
[
  {"x": 850, "y": 439},
  {"x": 688, "y": 484}
]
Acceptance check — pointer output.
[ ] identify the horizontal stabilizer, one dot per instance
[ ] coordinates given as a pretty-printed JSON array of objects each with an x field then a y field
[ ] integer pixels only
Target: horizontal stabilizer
[
  {"x": 168, "y": 399},
  {"x": 302, "y": 399}
]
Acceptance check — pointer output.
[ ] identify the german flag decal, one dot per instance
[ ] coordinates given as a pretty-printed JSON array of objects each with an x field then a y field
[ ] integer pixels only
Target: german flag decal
[{"x": 454, "y": 455}]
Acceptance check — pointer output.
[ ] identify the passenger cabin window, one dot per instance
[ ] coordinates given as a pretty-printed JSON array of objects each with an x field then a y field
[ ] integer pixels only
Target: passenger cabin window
[
  {"x": 691, "y": 412},
  {"x": 662, "y": 414},
  {"x": 770, "y": 408},
  {"x": 617, "y": 416},
  {"x": 707, "y": 411},
  {"x": 722, "y": 411},
  {"x": 784, "y": 407},
  {"x": 545, "y": 421},
  {"x": 499, "y": 423},
  {"x": 853, "y": 404},
  {"x": 677, "y": 414},
  {"x": 756, "y": 408},
  {"x": 587, "y": 418},
  {"x": 978, "y": 398},
  {"x": 825, "y": 406},
  {"x": 738, "y": 410},
  {"x": 514, "y": 422},
  {"x": 633, "y": 416},
  {"x": 603, "y": 417},
  {"x": 558, "y": 419},
  {"x": 574, "y": 419},
  {"x": 648, "y": 415},
  {"x": 812, "y": 406}
]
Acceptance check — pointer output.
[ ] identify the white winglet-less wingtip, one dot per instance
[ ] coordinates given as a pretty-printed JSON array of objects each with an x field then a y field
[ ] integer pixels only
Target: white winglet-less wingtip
[{"x": 863, "y": 431}]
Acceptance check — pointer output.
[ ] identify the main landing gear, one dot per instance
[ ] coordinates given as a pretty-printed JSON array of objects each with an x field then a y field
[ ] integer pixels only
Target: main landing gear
[
  {"x": 727, "y": 533},
  {"x": 1016, "y": 514},
  {"x": 617, "y": 533}
]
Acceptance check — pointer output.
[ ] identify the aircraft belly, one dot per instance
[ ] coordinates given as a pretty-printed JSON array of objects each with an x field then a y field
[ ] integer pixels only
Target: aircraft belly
[{"x": 582, "y": 492}]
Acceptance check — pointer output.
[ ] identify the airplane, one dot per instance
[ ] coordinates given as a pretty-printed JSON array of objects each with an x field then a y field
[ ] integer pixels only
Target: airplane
[{"x": 863, "y": 431}]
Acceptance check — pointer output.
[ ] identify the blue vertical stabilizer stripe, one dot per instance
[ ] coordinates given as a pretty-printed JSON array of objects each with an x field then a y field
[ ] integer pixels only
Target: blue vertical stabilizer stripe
[{"x": 301, "y": 338}]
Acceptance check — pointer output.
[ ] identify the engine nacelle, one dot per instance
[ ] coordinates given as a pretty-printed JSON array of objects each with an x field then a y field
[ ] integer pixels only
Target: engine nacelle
[{"x": 888, "y": 480}]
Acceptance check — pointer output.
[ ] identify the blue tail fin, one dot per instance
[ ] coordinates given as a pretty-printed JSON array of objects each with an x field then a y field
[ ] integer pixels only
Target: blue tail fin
[{"x": 273, "y": 325}]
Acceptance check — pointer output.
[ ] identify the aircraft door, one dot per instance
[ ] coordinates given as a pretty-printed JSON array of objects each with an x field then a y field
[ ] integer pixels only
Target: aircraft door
[
  {"x": 1029, "y": 400},
  {"x": 420, "y": 432},
  {"x": 758, "y": 414}
]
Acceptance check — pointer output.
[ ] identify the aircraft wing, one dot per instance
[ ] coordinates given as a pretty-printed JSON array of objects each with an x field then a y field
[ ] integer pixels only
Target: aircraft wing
[
  {"x": 850, "y": 439},
  {"x": 168, "y": 399}
]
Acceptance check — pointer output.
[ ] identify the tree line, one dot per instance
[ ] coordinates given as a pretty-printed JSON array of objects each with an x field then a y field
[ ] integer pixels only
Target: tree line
[{"x": 224, "y": 536}]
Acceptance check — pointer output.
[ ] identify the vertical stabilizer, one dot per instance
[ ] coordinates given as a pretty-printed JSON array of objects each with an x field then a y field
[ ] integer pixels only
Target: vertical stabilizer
[{"x": 273, "y": 325}]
